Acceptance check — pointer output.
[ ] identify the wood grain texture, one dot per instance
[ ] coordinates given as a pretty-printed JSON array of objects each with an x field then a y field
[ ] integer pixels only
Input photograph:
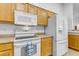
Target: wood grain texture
[
  {"x": 6, "y": 49},
  {"x": 73, "y": 41},
  {"x": 42, "y": 18},
  {"x": 46, "y": 46},
  {"x": 6, "y": 53},
  {"x": 20, "y": 6},
  {"x": 6, "y": 12}
]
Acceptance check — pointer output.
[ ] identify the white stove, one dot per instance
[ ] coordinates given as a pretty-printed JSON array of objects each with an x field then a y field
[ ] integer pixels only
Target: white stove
[{"x": 26, "y": 45}]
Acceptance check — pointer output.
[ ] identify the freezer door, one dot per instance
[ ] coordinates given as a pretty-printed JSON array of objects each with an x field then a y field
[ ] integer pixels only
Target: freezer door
[{"x": 62, "y": 48}]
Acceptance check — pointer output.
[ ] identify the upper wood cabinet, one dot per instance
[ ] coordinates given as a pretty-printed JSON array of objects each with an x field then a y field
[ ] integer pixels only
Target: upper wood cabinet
[
  {"x": 7, "y": 12},
  {"x": 46, "y": 46},
  {"x": 42, "y": 14},
  {"x": 20, "y": 6},
  {"x": 42, "y": 17},
  {"x": 32, "y": 9},
  {"x": 26, "y": 7},
  {"x": 50, "y": 14}
]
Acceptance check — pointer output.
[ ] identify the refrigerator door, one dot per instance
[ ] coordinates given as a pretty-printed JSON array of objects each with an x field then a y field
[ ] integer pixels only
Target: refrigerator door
[
  {"x": 62, "y": 48},
  {"x": 62, "y": 28}
]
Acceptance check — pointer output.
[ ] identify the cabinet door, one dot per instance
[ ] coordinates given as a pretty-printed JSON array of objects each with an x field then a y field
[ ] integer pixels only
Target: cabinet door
[
  {"x": 51, "y": 13},
  {"x": 69, "y": 41},
  {"x": 72, "y": 41},
  {"x": 6, "y": 53},
  {"x": 6, "y": 46},
  {"x": 20, "y": 6},
  {"x": 42, "y": 17},
  {"x": 6, "y": 12},
  {"x": 78, "y": 42},
  {"x": 26, "y": 7},
  {"x": 46, "y": 46},
  {"x": 32, "y": 9}
]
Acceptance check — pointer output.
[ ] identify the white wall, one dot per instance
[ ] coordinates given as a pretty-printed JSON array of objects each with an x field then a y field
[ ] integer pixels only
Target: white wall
[
  {"x": 68, "y": 12},
  {"x": 33, "y": 29},
  {"x": 76, "y": 14},
  {"x": 6, "y": 29}
]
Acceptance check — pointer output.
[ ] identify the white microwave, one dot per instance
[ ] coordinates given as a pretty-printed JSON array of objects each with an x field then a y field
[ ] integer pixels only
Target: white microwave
[{"x": 24, "y": 18}]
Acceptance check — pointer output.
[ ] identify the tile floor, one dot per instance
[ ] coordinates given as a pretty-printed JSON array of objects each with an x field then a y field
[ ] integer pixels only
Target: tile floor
[{"x": 72, "y": 53}]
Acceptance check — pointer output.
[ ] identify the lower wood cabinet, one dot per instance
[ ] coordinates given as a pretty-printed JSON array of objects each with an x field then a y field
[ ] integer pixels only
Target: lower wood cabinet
[
  {"x": 46, "y": 46},
  {"x": 6, "y": 53},
  {"x": 6, "y": 49},
  {"x": 73, "y": 41}
]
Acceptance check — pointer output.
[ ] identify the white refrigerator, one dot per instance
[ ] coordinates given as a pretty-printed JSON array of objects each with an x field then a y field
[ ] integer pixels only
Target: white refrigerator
[{"x": 57, "y": 27}]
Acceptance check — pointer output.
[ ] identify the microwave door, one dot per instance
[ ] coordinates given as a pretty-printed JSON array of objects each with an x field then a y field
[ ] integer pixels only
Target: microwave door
[{"x": 25, "y": 18}]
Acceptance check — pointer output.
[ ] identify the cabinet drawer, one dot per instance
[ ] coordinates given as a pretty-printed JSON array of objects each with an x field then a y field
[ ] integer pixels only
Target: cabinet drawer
[
  {"x": 6, "y": 53},
  {"x": 6, "y": 46}
]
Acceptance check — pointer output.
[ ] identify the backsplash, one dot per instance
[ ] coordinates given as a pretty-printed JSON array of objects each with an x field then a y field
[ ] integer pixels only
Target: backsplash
[
  {"x": 32, "y": 29},
  {"x": 10, "y": 29},
  {"x": 6, "y": 29}
]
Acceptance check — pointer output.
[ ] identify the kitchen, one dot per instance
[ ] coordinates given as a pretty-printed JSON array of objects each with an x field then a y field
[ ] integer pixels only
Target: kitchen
[{"x": 36, "y": 29}]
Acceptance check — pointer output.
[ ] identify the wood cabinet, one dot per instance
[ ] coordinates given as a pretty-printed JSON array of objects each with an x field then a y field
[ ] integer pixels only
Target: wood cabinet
[
  {"x": 26, "y": 7},
  {"x": 50, "y": 14},
  {"x": 6, "y": 49},
  {"x": 46, "y": 46},
  {"x": 73, "y": 41},
  {"x": 5, "y": 46},
  {"x": 6, "y": 13},
  {"x": 20, "y": 6},
  {"x": 32, "y": 9},
  {"x": 42, "y": 14},
  {"x": 77, "y": 42},
  {"x": 6, "y": 53},
  {"x": 70, "y": 44},
  {"x": 42, "y": 17}
]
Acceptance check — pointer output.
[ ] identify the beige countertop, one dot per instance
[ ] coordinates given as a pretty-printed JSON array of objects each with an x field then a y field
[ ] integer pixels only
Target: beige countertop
[
  {"x": 73, "y": 33},
  {"x": 42, "y": 36},
  {"x": 6, "y": 38}
]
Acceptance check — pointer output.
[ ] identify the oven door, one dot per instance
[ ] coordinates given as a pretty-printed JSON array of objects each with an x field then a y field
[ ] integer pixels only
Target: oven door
[{"x": 32, "y": 49}]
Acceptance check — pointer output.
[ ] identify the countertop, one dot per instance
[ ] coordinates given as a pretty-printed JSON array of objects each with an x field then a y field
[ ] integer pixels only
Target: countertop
[
  {"x": 11, "y": 38},
  {"x": 73, "y": 33},
  {"x": 42, "y": 36},
  {"x": 6, "y": 38}
]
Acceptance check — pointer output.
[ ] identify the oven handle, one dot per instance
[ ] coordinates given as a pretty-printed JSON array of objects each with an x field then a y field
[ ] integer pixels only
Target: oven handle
[
  {"x": 20, "y": 45},
  {"x": 23, "y": 44}
]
